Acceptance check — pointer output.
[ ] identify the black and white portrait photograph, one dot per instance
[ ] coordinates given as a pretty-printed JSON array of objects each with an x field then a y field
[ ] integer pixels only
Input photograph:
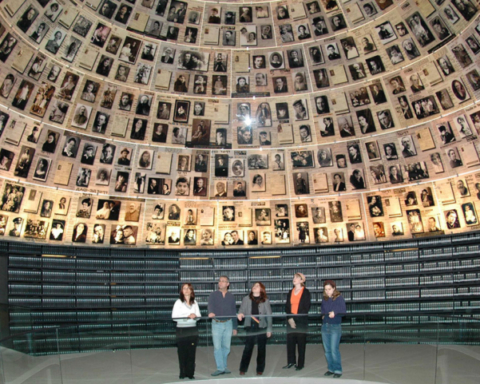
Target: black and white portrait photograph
[
  {"x": 349, "y": 48},
  {"x": 338, "y": 22},
  {"x": 301, "y": 183},
  {"x": 386, "y": 32},
  {"x": 460, "y": 91},
  {"x": 181, "y": 111},
  {"x": 303, "y": 32},
  {"x": 319, "y": 26},
  {"x": 420, "y": 29},
  {"x": 336, "y": 213},
  {"x": 324, "y": 157},
  {"x": 439, "y": 28},
  {"x": 144, "y": 105},
  {"x": 395, "y": 54},
  {"x": 248, "y": 35},
  {"x": 333, "y": 52},
  {"x": 286, "y": 33},
  {"x": 193, "y": 61},
  {"x": 81, "y": 116},
  {"x": 377, "y": 173},
  {"x": 83, "y": 177},
  {"x": 107, "y": 9},
  {"x": 88, "y": 154},
  {"x": 375, "y": 65},
  {"x": 26, "y": 20},
  {"x": 42, "y": 168},
  {"x": 410, "y": 48},
  {"x": 276, "y": 60},
  {"x": 425, "y": 107}
]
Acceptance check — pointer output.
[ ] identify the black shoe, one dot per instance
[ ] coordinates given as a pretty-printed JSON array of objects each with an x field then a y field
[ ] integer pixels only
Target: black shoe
[
  {"x": 181, "y": 377},
  {"x": 288, "y": 366},
  {"x": 191, "y": 377},
  {"x": 328, "y": 373},
  {"x": 337, "y": 375},
  {"x": 298, "y": 368}
]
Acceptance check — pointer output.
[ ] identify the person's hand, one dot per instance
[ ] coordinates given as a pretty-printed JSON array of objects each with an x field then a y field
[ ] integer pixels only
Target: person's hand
[
  {"x": 234, "y": 332},
  {"x": 211, "y": 314},
  {"x": 331, "y": 315},
  {"x": 192, "y": 316},
  {"x": 240, "y": 316},
  {"x": 269, "y": 334},
  {"x": 292, "y": 323}
]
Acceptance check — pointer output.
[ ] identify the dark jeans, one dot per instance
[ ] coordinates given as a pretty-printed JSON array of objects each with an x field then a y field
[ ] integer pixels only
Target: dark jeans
[
  {"x": 295, "y": 338},
  {"x": 187, "y": 340},
  {"x": 259, "y": 336}
]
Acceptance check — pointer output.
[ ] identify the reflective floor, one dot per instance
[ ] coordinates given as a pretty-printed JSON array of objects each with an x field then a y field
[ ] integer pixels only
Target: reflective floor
[{"x": 386, "y": 363}]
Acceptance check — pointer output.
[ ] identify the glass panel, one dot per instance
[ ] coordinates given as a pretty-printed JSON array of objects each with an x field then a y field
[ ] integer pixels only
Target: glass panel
[
  {"x": 458, "y": 351},
  {"x": 104, "y": 357},
  {"x": 402, "y": 349},
  {"x": 24, "y": 359}
]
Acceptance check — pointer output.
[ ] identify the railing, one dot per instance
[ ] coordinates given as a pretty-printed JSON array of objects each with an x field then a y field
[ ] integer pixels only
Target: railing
[{"x": 399, "y": 348}]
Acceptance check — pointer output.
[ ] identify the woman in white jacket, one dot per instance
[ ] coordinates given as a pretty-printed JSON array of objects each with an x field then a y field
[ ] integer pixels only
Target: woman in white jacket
[{"x": 186, "y": 313}]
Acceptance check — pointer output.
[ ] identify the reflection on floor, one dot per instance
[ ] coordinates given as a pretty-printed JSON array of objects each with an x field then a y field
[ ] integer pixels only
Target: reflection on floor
[{"x": 386, "y": 363}]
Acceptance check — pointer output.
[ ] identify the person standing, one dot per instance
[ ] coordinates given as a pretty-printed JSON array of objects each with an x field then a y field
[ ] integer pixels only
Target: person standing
[
  {"x": 333, "y": 308},
  {"x": 256, "y": 311},
  {"x": 186, "y": 313},
  {"x": 298, "y": 303},
  {"x": 222, "y": 311}
]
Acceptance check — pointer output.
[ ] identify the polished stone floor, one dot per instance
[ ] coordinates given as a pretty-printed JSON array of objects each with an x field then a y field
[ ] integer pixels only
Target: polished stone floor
[{"x": 382, "y": 363}]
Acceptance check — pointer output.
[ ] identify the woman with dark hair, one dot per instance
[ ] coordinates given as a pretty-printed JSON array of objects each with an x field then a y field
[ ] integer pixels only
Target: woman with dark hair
[
  {"x": 427, "y": 198},
  {"x": 298, "y": 303},
  {"x": 258, "y": 328},
  {"x": 50, "y": 144},
  {"x": 186, "y": 313},
  {"x": 145, "y": 161},
  {"x": 333, "y": 308},
  {"x": 79, "y": 233}
]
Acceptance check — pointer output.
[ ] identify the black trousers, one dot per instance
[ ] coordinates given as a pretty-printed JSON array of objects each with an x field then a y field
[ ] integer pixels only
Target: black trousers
[
  {"x": 187, "y": 340},
  {"x": 259, "y": 336},
  {"x": 294, "y": 339}
]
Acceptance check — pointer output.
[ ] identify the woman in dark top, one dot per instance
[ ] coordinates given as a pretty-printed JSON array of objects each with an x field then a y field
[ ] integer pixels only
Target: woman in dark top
[
  {"x": 258, "y": 324},
  {"x": 333, "y": 308},
  {"x": 298, "y": 303}
]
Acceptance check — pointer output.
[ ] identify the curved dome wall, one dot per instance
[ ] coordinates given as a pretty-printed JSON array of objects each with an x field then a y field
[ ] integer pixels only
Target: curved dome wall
[{"x": 170, "y": 124}]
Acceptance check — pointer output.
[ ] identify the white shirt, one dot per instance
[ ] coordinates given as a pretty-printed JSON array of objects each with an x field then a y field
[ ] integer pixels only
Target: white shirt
[{"x": 182, "y": 309}]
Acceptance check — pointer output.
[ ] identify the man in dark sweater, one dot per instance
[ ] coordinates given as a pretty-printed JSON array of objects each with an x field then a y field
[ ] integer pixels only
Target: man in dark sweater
[{"x": 223, "y": 312}]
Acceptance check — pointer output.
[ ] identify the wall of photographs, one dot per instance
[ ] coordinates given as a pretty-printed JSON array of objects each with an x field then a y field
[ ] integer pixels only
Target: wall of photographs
[{"x": 167, "y": 123}]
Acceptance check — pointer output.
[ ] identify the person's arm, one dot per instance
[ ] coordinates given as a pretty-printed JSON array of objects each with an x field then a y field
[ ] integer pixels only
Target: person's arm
[
  {"x": 341, "y": 307},
  {"x": 177, "y": 312},
  {"x": 211, "y": 312},
  {"x": 288, "y": 305},
  {"x": 197, "y": 310},
  {"x": 233, "y": 310},
  {"x": 243, "y": 309},
  {"x": 268, "y": 310},
  {"x": 308, "y": 300}
]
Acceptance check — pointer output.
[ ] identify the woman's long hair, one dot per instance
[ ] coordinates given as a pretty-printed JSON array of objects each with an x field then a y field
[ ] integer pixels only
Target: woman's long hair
[
  {"x": 263, "y": 293},
  {"x": 336, "y": 292},
  {"x": 192, "y": 294}
]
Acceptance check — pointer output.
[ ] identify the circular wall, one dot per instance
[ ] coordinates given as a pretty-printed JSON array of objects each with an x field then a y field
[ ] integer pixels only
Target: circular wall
[{"x": 171, "y": 124}]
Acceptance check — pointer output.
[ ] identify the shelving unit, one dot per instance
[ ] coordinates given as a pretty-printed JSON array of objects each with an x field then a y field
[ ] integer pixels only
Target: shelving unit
[{"x": 71, "y": 286}]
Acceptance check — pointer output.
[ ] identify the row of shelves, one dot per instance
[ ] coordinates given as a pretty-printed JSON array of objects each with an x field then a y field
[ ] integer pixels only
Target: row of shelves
[
  {"x": 357, "y": 312},
  {"x": 138, "y": 301},
  {"x": 285, "y": 274},
  {"x": 193, "y": 263},
  {"x": 202, "y": 289}
]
